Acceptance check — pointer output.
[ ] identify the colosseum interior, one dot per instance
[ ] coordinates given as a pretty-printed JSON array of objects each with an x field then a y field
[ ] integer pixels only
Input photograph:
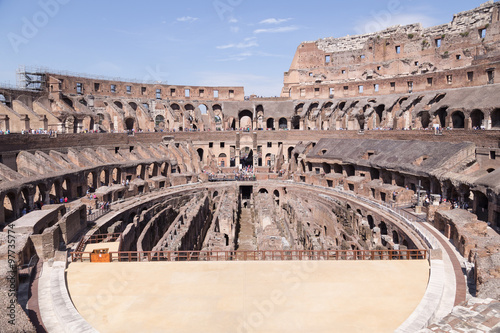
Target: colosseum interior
[{"x": 366, "y": 195}]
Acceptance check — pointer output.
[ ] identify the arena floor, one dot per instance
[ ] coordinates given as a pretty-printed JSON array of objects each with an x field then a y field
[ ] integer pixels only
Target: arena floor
[{"x": 265, "y": 296}]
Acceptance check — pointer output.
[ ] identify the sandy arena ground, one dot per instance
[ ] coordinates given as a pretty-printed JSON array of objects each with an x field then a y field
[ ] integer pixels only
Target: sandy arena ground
[{"x": 250, "y": 296}]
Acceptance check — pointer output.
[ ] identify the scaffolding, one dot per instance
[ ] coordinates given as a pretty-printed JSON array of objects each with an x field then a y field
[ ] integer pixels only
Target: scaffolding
[
  {"x": 31, "y": 78},
  {"x": 34, "y": 78}
]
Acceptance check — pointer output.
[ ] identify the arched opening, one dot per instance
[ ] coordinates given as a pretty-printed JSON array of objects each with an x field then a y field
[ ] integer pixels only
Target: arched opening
[
  {"x": 100, "y": 118},
  {"x": 337, "y": 168},
  {"x": 116, "y": 176},
  {"x": 133, "y": 106},
  {"x": 477, "y": 118},
  {"x": 153, "y": 170},
  {"x": 215, "y": 194},
  {"x": 270, "y": 123},
  {"x": 395, "y": 237},
  {"x": 246, "y": 118},
  {"x": 490, "y": 170},
  {"x": 129, "y": 124},
  {"x": 9, "y": 207},
  {"x": 24, "y": 200},
  {"x": 361, "y": 121},
  {"x": 283, "y": 124},
  {"x": 290, "y": 150},
  {"x": 200, "y": 154},
  {"x": 222, "y": 160},
  {"x": 349, "y": 169},
  {"x": 276, "y": 195},
  {"x": 495, "y": 118},
  {"x": 246, "y": 157},
  {"x": 118, "y": 104},
  {"x": 268, "y": 159},
  {"x": 374, "y": 174},
  {"x": 371, "y": 223},
  {"x": 39, "y": 198},
  {"x": 55, "y": 192},
  {"x": 296, "y": 122},
  {"x": 458, "y": 119},
  {"x": 425, "y": 118},
  {"x": 91, "y": 182},
  {"x": 66, "y": 188},
  {"x": 103, "y": 178},
  {"x": 160, "y": 122},
  {"x": 139, "y": 171},
  {"x": 231, "y": 123},
  {"x": 481, "y": 206},
  {"x": 327, "y": 168},
  {"x": 203, "y": 108},
  {"x": 441, "y": 114},
  {"x": 175, "y": 107},
  {"x": 2, "y": 99},
  {"x": 263, "y": 191},
  {"x": 399, "y": 180},
  {"x": 386, "y": 178},
  {"x": 379, "y": 111},
  {"x": 383, "y": 228}
]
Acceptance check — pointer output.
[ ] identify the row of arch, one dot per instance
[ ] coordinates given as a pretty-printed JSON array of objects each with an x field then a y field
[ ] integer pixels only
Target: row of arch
[{"x": 31, "y": 196}]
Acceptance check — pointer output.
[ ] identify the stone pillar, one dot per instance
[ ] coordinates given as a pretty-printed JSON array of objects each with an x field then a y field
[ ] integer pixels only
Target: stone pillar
[{"x": 289, "y": 124}]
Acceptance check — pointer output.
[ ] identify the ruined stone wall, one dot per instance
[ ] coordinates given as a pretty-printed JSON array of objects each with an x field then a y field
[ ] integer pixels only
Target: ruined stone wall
[
  {"x": 476, "y": 242},
  {"x": 73, "y": 222},
  {"x": 398, "y": 55},
  {"x": 155, "y": 229},
  {"x": 47, "y": 243},
  {"x": 66, "y": 84}
]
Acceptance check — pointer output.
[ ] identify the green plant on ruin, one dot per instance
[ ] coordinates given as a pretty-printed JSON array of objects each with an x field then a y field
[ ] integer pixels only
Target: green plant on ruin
[
  {"x": 410, "y": 36},
  {"x": 464, "y": 34}
]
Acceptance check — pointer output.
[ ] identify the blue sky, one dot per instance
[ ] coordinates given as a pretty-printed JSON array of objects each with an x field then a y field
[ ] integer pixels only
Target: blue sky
[{"x": 246, "y": 43}]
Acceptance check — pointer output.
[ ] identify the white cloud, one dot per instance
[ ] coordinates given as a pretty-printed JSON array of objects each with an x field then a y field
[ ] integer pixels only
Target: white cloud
[
  {"x": 235, "y": 29},
  {"x": 274, "y": 21},
  {"x": 247, "y": 43},
  {"x": 236, "y": 57},
  {"x": 233, "y": 20},
  {"x": 245, "y": 55},
  {"x": 276, "y": 30},
  {"x": 187, "y": 19}
]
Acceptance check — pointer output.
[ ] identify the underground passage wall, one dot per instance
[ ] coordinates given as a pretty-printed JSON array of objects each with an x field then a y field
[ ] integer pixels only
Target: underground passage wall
[{"x": 271, "y": 217}]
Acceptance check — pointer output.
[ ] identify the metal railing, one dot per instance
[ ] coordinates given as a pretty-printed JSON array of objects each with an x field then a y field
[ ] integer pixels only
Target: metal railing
[
  {"x": 232, "y": 177},
  {"x": 97, "y": 238},
  {"x": 283, "y": 255},
  {"x": 97, "y": 214}
]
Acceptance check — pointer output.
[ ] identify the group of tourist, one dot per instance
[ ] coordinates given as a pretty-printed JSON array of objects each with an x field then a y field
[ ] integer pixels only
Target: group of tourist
[
  {"x": 244, "y": 174},
  {"x": 31, "y": 131}
]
